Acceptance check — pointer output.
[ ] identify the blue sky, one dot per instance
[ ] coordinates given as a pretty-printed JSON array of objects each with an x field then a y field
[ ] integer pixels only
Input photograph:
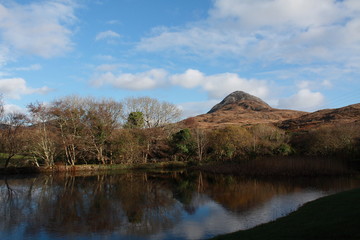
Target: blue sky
[{"x": 295, "y": 54}]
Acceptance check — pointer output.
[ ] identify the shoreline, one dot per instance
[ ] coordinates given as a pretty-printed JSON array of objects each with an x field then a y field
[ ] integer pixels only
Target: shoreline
[
  {"x": 262, "y": 167},
  {"x": 91, "y": 168}
]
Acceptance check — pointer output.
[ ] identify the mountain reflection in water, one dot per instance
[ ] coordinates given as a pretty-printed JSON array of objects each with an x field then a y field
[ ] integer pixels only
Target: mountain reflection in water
[{"x": 140, "y": 205}]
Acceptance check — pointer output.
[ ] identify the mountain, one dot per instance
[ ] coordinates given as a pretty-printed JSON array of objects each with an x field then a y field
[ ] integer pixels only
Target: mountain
[
  {"x": 240, "y": 99},
  {"x": 344, "y": 115},
  {"x": 241, "y": 108},
  {"x": 244, "y": 109}
]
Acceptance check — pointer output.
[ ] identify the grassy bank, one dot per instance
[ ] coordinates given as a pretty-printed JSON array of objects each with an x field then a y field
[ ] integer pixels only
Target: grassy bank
[
  {"x": 331, "y": 217},
  {"x": 291, "y": 166},
  {"x": 92, "y": 168}
]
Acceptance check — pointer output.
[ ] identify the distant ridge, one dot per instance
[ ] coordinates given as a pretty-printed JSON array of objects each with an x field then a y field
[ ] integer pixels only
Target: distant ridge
[{"x": 343, "y": 115}]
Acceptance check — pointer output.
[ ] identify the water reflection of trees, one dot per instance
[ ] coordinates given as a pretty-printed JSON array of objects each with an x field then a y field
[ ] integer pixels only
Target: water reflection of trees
[
  {"x": 77, "y": 205},
  {"x": 131, "y": 203}
]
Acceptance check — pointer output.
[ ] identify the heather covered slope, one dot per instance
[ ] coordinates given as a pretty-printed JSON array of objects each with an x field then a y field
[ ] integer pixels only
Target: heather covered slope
[
  {"x": 337, "y": 116},
  {"x": 240, "y": 108},
  {"x": 244, "y": 109}
]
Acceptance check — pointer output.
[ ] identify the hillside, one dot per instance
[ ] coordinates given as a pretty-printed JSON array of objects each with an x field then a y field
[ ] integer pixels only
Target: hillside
[
  {"x": 244, "y": 109},
  {"x": 344, "y": 115},
  {"x": 241, "y": 108}
]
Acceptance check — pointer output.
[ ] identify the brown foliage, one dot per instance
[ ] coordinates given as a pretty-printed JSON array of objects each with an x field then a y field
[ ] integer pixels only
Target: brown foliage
[
  {"x": 229, "y": 142},
  {"x": 129, "y": 146},
  {"x": 11, "y": 135},
  {"x": 268, "y": 140},
  {"x": 341, "y": 140}
]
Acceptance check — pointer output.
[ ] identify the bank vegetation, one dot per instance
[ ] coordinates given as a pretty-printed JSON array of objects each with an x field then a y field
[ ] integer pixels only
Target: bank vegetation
[{"x": 82, "y": 131}]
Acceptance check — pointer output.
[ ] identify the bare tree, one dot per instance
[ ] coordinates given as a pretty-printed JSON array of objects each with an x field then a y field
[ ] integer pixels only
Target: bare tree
[
  {"x": 84, "y": 126},
  {"x": 155, "y": 113},
  {"x": 201, "y": 140},
  {"x": 43, "y": 143},
  {"x": 11, "y": 135},
  {"x": 101, "y": 119},
  {"x": 69, "y": 115}
]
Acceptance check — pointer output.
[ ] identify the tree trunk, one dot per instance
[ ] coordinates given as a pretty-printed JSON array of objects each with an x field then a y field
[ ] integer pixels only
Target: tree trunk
[{"x": 8, "y": 161}]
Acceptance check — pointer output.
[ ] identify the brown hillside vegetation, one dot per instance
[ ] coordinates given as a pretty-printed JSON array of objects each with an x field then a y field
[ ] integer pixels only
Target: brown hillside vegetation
[
  {"x": 337, "y": 116},
  {"x": 240, "y": 108}
]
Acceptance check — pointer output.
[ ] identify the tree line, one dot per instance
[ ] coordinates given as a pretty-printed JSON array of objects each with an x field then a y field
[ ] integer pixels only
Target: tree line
[{"x": 78, "y": 130}]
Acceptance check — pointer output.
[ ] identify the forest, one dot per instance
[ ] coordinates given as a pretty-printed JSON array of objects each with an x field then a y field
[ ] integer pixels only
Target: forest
[{"x": 83, "y": 130}]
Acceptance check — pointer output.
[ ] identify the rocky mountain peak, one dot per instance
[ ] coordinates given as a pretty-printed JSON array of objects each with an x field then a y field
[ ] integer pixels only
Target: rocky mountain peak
[{"x": 242, "y": 99}]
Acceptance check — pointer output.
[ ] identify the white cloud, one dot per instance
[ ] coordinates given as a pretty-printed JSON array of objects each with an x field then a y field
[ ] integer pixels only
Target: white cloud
[
  {"x": 219, "y": 85},
  {"x": 190, "y": 79},
  {"x": 107, "y": 35},
  {"x": 15, "y": 87},
  {"x": 216, "y": 86},
  {"x": 304, "y": 99},
  {"x": 39, "y": 28},
  {"x": 138, "y": 81},
  {"x": 277, "y": 13},
  {"x": 222, "y": 84},
  {"x": 202, "y": 40},
  {"x": 291, "y": 31},
  {"x": 11, "y": 108}
]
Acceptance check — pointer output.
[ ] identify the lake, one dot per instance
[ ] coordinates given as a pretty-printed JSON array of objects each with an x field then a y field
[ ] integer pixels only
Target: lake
[{"x": 149, "y": 205}]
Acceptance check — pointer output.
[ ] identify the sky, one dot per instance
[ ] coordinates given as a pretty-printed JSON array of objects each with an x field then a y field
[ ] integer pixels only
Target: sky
[{"x": 293, "y": 54}]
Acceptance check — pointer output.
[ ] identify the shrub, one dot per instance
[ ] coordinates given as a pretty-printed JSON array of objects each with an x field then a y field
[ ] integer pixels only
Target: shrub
[
  {"x": 183, "y": 144},
  {"x": 269, "y": 140},
  {"x": 230, "y": 142},
  {"x": 339, "y": 140}
]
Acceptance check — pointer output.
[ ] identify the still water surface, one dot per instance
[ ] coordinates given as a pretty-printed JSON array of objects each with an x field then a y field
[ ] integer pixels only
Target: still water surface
[{"x": 140, "y": 205}]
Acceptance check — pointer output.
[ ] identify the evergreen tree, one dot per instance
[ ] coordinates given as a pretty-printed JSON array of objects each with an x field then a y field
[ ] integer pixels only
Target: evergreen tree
[{"x": 135, "y": 120}]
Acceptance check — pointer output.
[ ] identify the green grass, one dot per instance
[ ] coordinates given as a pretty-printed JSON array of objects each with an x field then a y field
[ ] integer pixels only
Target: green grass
[
  {"x": 16, "y": 161},
  {"x": 331, "y": 217}
]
